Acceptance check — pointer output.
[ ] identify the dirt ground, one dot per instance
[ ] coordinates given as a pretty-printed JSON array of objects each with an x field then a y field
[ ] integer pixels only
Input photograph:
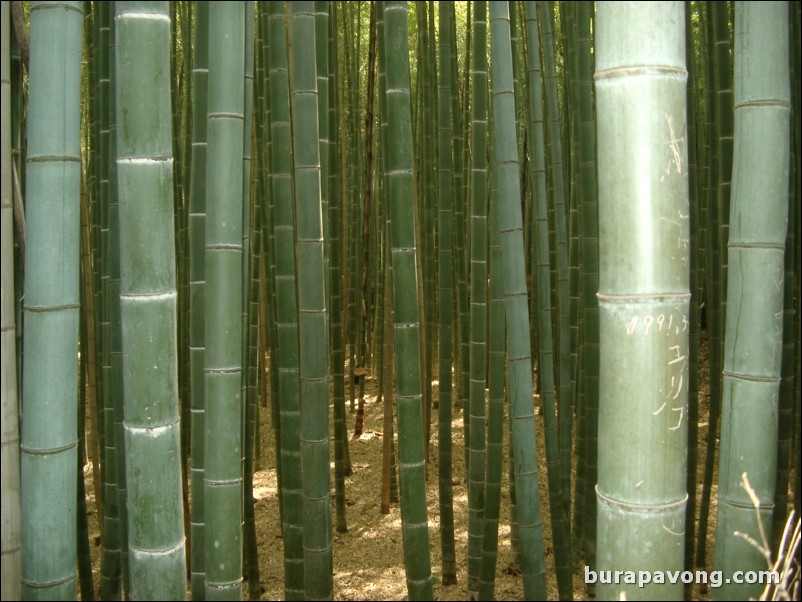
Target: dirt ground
[{"x": 368, "y": 558}]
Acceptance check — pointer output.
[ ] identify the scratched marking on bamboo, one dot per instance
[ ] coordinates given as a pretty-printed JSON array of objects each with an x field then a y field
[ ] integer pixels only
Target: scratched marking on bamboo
[
  {"x": 648, "y": 320},
  {"x": 657, "y": 324},
  {"x": 674, "y": 145}
]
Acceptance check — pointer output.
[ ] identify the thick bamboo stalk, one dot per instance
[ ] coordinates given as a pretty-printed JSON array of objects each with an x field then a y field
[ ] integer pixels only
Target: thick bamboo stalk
[
  {"x": 49, "y": 435},
  {"x": 643, "y": 293},
  {"x": 148, "y": 308}
]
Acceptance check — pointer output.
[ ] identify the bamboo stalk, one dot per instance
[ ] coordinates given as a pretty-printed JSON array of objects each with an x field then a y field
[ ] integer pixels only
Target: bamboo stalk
[
  {"x": 49, "y": 433},
  {"x": 644, "y": 293}
]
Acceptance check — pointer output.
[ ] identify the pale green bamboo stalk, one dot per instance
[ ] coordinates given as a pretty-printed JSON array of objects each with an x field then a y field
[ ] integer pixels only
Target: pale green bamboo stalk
[
  {"x": 754, "y": 321},
  {"x": 11, "y": 558},
  {"x": 312, "y": 314},
  {"x": 223, "y": 303},
  {"x": 148, "y": 312},
  {"x": 400, "y": 160},
  {"x": 643, "y": 293},
  {"x": 49, "y": 434},
  {"x": 519, "y": 362}
]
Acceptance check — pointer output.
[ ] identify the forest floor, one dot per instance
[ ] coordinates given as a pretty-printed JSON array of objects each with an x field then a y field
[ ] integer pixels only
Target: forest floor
[{"x": 368, "y": 558}]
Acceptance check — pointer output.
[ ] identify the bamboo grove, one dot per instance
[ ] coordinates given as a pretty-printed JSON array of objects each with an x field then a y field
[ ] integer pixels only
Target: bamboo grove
[{"x": 574, "y": 223}]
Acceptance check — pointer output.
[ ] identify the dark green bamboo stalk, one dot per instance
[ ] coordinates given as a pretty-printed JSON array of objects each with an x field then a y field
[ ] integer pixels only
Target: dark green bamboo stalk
[
  {"x": 587, "y": 211},
  {"x": 114, "y": 528},
  {"x": 427, "y": 91},
  {"x": 567, "y": 17},
  {"x": 720, "y": 99},
  {"x": 148, "y": 303},
  {"x": 445, "y": 299},
  {"x": 554, "y": 144},
  {"x": 197, "y": 291},
  {"x": 460, "y": 230},
  {"x": 250, "y": 294},
  {"x": 558, "y": 502},
  {"x": 312, "y": 315},
  {"x": 796, "y": 98},
  {"x": 48, "y": 451},
  {"x": 516, "y": 308},
  {"x": 495, "y": 409},
  {"x": 89, "y": 194},
  {"x": 753, "y": 341},
  {"x": 11, "y": 558},
  {"x": 18, "y": 179},
  {"x": 181, "y": 68},
  {"x": 114, "y": 392},
  {"x": 335, "y": 266},
  {"x": 389, "y": 490},
  {"x": 785, "y": 413},
  {"x": 643, "y": 293},
  {"x": 86, "y": 585},
  {"x": 711, "y": 272},
  {"x": 400, "y": 159},
  {"x": 321, "y": 12},
  {"x": 694, "y": 198},
  {"x": 479, "y": 247},
  {"x": 387, "y": 391},
  {"x": 223, "y": 303}
]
